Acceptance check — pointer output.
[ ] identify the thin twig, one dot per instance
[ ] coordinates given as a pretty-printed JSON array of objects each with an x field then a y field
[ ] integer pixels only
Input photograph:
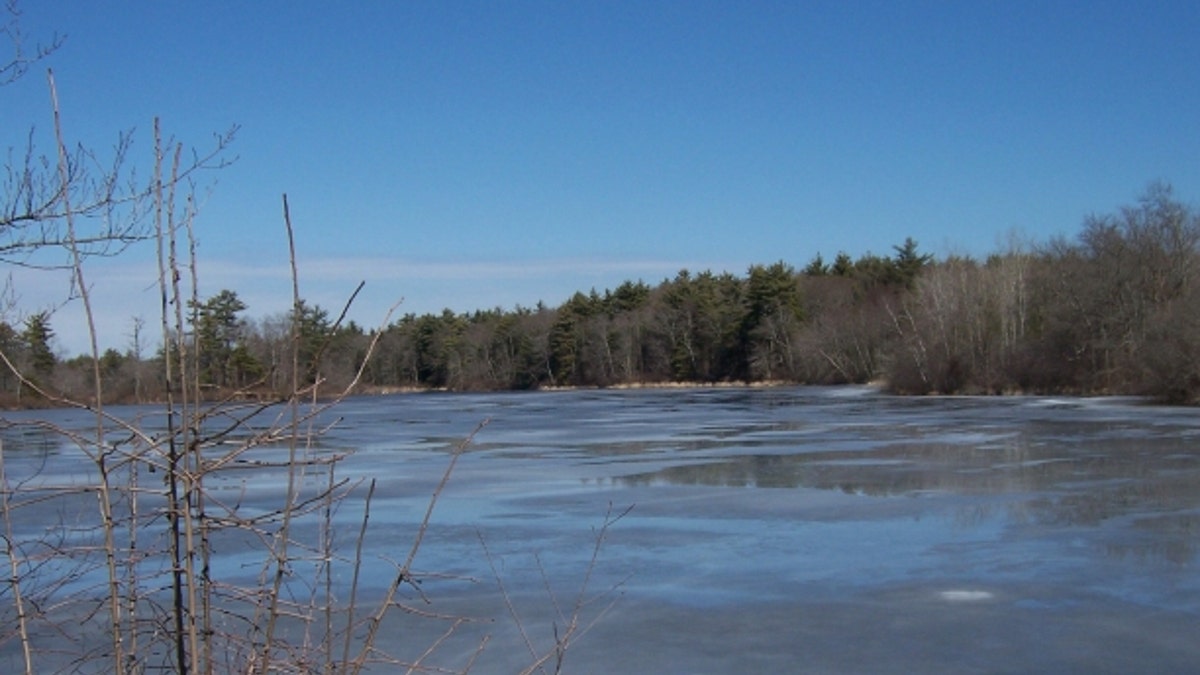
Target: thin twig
[
  {"x": 508, "y": 603},
  {"x": 404, "y": 575},
  {"x": 14, "y": 564},
  {"x": 357, "y": 567},
  {"x": 104, "y": 497}
]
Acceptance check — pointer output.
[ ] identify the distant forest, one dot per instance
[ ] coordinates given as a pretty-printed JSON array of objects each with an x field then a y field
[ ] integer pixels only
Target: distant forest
[{"x": 1113, "y": 310}]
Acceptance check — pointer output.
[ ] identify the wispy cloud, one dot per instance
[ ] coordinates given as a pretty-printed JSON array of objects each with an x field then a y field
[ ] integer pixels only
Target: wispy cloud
[
  {"x": 393, "y": 269},
  {"x": 126, "y": 288}
]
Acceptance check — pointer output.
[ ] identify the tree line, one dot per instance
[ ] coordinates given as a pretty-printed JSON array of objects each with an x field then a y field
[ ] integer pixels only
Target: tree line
[{"x": 1111, "y": 311}]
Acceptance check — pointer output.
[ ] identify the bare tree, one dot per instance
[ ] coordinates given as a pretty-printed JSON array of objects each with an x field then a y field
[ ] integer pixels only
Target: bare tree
[{"x": 100, "y": 191}]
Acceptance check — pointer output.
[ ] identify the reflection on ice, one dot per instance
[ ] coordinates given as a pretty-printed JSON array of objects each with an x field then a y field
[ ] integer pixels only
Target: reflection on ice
[{"x": 965, "y": 595}]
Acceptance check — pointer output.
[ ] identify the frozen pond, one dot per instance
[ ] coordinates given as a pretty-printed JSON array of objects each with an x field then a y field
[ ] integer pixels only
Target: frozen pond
[{"x": 792, "y": 529}]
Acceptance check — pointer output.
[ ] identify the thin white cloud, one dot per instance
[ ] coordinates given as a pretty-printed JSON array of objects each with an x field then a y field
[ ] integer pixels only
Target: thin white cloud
[
  {"x": 123, "y": 289},
  {"x": 383, "y": 269}
]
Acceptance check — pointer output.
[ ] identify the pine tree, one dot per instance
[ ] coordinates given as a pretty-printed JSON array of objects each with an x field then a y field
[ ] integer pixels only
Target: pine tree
[
  {"x": 36, "y": 337},
  {"x": 219, "y": 334}
]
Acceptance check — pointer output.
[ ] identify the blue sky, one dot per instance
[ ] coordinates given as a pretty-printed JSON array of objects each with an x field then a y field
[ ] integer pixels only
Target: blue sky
[{"x": 478, "y": 154}]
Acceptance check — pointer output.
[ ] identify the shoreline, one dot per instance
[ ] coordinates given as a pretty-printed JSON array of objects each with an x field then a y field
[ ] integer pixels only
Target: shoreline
[{"x": 877, "y": 386}]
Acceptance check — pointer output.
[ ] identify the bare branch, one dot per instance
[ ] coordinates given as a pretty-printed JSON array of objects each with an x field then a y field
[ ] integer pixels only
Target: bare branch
[{"x": 22, "y": 57}]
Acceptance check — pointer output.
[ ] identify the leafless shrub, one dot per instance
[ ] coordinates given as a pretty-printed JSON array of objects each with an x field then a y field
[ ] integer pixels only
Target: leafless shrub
[{"x": 134, "y": 574}]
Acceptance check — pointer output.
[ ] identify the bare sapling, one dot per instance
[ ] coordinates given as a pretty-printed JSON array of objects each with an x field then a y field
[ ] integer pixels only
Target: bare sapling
[{"x": 567, "y": 628}]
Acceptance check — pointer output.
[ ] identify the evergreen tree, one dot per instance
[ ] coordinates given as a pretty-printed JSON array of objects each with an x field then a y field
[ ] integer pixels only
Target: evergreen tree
[
  {"x": 773, "y": 312},
  {"x": 568, "y": 338},
  {"x": 907, "y": 263},
  {"x": 312, "y": 332},
  {"x": 222, "y": 357},
  {"x": 36, "y": 338},
  {"x": 816, "y": 267},
  {"x": 11, "y": 346},
  {"x": 843, "y": 266},
  {"x": 628, "y": 297}
]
